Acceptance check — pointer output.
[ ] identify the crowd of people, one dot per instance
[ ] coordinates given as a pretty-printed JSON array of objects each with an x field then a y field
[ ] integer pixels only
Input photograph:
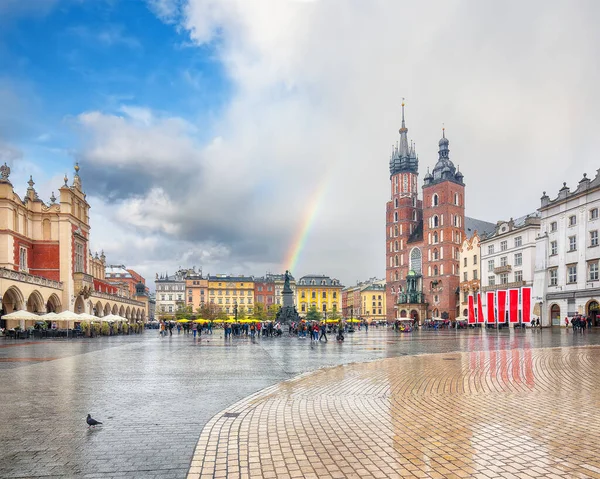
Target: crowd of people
[{"x": 579, "y": 323}]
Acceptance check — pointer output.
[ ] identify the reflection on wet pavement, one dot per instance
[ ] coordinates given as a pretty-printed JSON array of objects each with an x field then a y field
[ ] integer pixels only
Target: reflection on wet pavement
[
  {"x": 155, "y": 396},
  {"x": 519, "y": 413}
]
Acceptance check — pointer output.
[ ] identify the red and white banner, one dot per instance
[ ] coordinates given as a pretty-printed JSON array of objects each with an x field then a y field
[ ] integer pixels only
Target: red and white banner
[
  {"x": 526, "y": 305},
  {"x": 471, "y": 310},
  {"x": 480, "y": 318},
  {"x": 513, "y": 305},
  {"x": 491, "y": 316},
  {"x": 501, "y": 297}
]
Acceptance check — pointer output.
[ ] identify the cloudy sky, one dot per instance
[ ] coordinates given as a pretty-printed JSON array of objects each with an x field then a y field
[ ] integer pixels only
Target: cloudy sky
[{"x": 207, "y": 129}]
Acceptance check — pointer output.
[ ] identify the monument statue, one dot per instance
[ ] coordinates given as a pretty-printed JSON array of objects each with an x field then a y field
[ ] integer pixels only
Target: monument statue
[{"x": 288, "y": 312}]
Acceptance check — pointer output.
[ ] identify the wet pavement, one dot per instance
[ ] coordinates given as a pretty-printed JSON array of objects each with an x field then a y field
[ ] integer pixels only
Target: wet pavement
[{"x": 155, "y": 396}]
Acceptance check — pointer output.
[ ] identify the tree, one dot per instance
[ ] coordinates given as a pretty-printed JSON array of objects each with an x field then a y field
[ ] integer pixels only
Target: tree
[
  {"x": 313, "y": 314},
  {"x": 221, "y": 315},
  {"x": 334, "y": 314},
  {"x": 183, "y": 312},
  {"x": 272, "y": 312},
  {"x": 260, "y": 312},
  {"x": 209, "y": 311},
  {"x": 241, "y": 313}
]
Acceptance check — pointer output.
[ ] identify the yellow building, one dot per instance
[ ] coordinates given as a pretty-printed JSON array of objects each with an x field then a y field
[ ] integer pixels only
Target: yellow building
[
  {"x": 322, "y": 292},
  {"x": 372, "y": 299},
  {"x": 231, "y": 292}
]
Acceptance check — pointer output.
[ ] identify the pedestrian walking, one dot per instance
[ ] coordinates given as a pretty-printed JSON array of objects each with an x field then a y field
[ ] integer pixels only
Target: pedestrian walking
[
  {"x": 323, "y": 332},
  {"x": 195, "y": 329}
]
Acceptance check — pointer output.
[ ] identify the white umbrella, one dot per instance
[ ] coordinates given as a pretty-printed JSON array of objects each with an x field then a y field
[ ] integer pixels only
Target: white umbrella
[
  {"x": 49, "y": 316},
  {"x": 88, "y": 317},
  {"x": 67, "y": 316},
  {"x": 22, "y": 316}
]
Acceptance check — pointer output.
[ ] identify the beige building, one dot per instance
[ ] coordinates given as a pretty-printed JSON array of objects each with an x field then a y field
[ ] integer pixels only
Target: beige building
[
  {"x": 45, "y": 258},
  {"x": 373, "y": 301},
  {"x": 196, "y": 288}
]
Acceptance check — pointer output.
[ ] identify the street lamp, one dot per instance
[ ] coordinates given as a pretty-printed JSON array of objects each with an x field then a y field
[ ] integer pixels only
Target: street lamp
[{"x": 235, "y": 311}]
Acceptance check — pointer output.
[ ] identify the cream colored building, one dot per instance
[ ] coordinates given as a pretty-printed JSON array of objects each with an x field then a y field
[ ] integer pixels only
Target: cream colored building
[
  {"x": 45, "y": 258},
  {"x": 470, "y": 272}
]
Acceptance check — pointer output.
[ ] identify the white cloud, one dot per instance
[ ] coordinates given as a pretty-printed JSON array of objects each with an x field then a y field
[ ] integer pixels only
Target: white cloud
[{"x": 317, "y": 92}]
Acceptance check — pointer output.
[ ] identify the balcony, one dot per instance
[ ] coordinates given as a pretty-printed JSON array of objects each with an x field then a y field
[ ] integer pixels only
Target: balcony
[
  {"x": 503, "y": 269},
  {"x": 84, "y": 284}
]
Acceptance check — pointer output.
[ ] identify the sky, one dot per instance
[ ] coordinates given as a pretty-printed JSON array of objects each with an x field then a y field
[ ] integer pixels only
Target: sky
[{"x": 245, "y": 136}]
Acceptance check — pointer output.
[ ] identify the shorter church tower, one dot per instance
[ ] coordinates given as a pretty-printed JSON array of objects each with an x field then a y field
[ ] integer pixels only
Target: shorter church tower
[
  {"x": 403, "y": 214},
  {"x": 443, "y": 233}
]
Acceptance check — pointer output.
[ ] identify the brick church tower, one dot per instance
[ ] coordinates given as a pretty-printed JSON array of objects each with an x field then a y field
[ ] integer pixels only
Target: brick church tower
[
  {"x": 403, "y": 214},
  {"x": 443, "y": 232}
]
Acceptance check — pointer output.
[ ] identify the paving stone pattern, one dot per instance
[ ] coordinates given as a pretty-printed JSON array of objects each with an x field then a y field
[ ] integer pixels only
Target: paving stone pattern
[
  {"x": 155, "y": 396},
  {"x": 523, "y": 413}
]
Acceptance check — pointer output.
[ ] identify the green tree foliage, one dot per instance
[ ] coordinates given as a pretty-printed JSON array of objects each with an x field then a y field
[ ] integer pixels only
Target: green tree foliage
[
  {"x": 260, "y": 312},
  {"x": 272, "y": 311},
  {"x": 221, "y": 315},
  {"x": 241, "y": 313},
  {"x": 334, "y": 315},
  {"x": 313, "y": 314},
  {"x": 208, "y": 311}
]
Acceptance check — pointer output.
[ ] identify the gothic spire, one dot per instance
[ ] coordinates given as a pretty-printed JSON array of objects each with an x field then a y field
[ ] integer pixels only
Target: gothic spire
[{"x": 403, "y": 150}]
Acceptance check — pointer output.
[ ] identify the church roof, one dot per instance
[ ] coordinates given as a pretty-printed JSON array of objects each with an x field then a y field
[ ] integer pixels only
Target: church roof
[
  {"x": 404, "y": 158},
  {"x": 444, "y": 169},
  {"x": 483, "y": 228}
]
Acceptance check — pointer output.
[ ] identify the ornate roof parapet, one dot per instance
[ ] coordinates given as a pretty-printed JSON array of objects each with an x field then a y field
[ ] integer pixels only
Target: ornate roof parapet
[
  {"x": 565, "y": 193},
  {"x": 4, "y": 173}
]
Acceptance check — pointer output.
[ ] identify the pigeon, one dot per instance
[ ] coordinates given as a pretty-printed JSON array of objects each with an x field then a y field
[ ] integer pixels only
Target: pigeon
[{"x": 92, "y": 422}]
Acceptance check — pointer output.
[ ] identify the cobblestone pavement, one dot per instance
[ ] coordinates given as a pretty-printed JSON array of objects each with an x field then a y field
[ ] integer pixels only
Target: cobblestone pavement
[
  {"x": 522, "y": 413},
  {"x": 155, "y": 395}
]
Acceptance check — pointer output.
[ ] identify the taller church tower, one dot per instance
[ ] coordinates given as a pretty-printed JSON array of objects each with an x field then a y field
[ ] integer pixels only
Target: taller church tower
[{"x": 403, "y": 214}]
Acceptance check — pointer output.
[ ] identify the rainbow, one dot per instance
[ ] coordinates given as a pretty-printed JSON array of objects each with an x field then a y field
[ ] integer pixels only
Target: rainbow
[{"x": 299, "y": 241}]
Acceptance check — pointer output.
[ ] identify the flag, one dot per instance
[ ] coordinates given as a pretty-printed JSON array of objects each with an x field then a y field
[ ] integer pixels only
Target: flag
[
  {"x": 526, "y": 305},
  {"x": 480, "y": 318},
  {"x": 471, "y": 310},
  {"x": 501, "y": 298},
  {"x": 491, "y": 317},
  {"x": 513, "y": 305}
]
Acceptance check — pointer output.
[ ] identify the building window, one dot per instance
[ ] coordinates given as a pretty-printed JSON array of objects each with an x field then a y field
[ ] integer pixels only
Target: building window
[
  {"x": 553, "y": 248},
  {"x": 465, "y": 276},
  {"x": 465, "y": 262},
  {"x": 435, "y": 200},
  {"x": 395, "y": 216},
  {"x": 314, "y": 295},
  {"x": 436, "y": 221},
  {"x": 572, "y": 220},
  {"x": 504, "y": 278},
  {"x": 593, "y": 271},
  {"x": 23, "y": 259},
  {"x": 303, "y": 307},
  {"x": 503, "y": 245},
  {"x": 474, "y": 259},
  {"x": 465, "y": 296},
  {"x": 456, "y": 202},
  {"x": 162, "y": 297},
  {"x": 492, "y": 280},
  {"x": 594, "y": 238},
  {"x": 518, "y": 241},
  {"x": 518, "y": 259},
  {"x": 490, "y": 265},
  {"x": 503, "y": 261},
  {"x": 396, "y": 203},
  {"x": 303, "y": 295},
  {"x": 518, "y": 276},
  {"x": 553, "y": 226},
  {"x": 79, "y": 258},
  {"x": 324, "y": 295},
  {"x": 553, "y": 277},
  {"x": 594, "y": 214},
  {"x": 572, "y": 243},
  {"x": 474, "y": 274},
  {"x": 491, "y": 249},
  {"x": 170, "y": 309},
  {"x": 334, "y": 295},
  {"x": 435, "y": 254},
  {"x": 572, "y": 273}
]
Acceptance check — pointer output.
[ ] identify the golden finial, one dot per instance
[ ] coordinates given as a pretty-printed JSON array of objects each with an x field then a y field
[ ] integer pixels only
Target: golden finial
[{"x": 77, "y": 167}]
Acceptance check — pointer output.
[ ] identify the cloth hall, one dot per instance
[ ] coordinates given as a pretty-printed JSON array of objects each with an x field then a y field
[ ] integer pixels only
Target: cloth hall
[{"x": 424, "y": 234}]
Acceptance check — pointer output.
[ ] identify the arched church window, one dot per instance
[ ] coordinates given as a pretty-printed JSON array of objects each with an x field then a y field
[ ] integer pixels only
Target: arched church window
[
  {"x": 456, "y": 199},
  {"x": 436, "y": 221},
  {"x": 395, "y": 246},
  {"x": 396, "y": 262},
  {"x": 396, "y": 203},
  {"x": 435, "y": 270},
  {"x": 435, "y": 200},
  {"x": 395, "y": 231},
  {"x": 414, "y": 215},
  {"x": 435, "y": 254},
  {"x": 416, "y": 260},
  {"x": 395, "y": 216},
  {"x": 396, "y": 275},
  {"x": 435, "y": 237}
]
